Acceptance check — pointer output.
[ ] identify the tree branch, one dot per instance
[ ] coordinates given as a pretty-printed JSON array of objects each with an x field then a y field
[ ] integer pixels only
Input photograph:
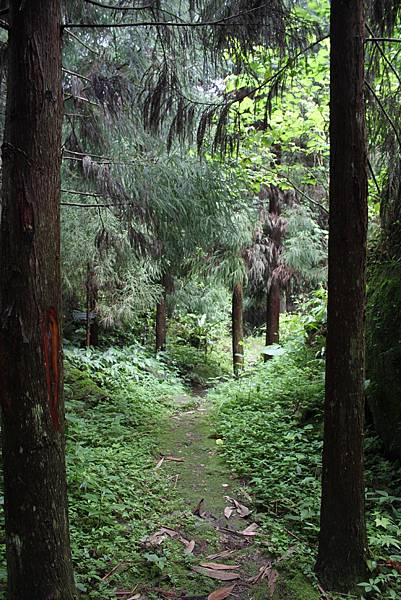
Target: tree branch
[
  {"x": 79, "y": 193},
  {"x": 383, "y": 54},
  {"x": 223, "y": 22},
  {"x": 119, "y": 8},
  {"x": 311, "y": 200},
  {"x": 387, "y": 116},
  {"x": 76, "y": 75},
  {"x": 383, "y": 39},
  {"x": 72, "y": 34}
]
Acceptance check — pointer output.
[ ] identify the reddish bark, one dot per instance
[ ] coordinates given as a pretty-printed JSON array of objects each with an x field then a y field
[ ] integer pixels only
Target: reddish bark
[
  {"x": 342, "y": 540},
  {"x": 35, "y": 491}
]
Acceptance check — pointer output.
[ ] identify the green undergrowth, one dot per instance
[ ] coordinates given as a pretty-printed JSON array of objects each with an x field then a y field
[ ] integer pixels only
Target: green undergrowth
[
  {"x": 116, "y": 403},
  {"x": 269, "y": 424},
  {"x": 200, "y": 366}
]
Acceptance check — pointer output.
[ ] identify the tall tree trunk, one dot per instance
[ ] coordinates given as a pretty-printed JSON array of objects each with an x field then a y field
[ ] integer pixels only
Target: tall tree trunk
[
  {"x": 342, "y": 542},
  {"x": 161, "y": 319},
  {"x": 273, "y": 302},
  {"x": 237, "y": 328},
  {"x": 92, "y": 327},
  {"x": 35, "y": 491},
  {"x": 273, "y": 297}
]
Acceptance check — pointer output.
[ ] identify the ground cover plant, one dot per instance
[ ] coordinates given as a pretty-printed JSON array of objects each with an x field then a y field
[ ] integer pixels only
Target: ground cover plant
[
  {"x": 269, "y": 428},
  {"x": 117, "y": 402}
]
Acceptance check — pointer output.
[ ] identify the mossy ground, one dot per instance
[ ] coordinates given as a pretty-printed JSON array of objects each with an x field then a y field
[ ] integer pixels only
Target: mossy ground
[{"x": 202, "y": 475}]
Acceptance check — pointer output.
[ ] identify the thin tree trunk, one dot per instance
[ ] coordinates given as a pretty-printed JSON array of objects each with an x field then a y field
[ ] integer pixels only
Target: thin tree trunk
[
  {"x": 92, "y": 329},
  {"x": 161, "y": 320},
  {"x": 342, "y": 540},
  {"x": 35, "y": 491},
  {"x": 273, "y": 313},
  {"x": 237, "y": 328},
  {"x": 273, "y": 297}
]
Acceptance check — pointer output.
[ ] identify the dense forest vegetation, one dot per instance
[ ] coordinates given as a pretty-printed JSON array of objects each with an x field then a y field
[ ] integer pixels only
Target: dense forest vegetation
[{"x": 200, "y": 301}]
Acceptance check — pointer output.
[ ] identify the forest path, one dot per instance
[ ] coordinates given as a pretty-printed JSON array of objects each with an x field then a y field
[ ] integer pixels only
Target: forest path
[{"x": 204, "y": 488}]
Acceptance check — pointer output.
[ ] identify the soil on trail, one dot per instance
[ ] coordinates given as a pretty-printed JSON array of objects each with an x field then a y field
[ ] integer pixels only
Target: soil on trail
[{"x": 205, "y": 488}]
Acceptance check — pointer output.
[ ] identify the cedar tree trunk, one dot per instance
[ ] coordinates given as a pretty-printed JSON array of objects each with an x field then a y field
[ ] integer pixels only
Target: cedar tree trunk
[
  {"x": 161, "y": 319},
  {"x": 92, "y": 327},
  {"x": 342, "y": 541},
  {"x": 273, "y": 297},
  {"x": 273, "y": 313},
  {"x": 237, "y": 328},
  {"x": 35, "y": 491}
]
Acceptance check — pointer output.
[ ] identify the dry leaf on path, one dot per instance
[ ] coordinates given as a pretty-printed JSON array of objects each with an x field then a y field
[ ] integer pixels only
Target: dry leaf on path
[
  {"x": 221, "y": 593},
  {"x": 237, "y": 507},
  {"x": 198, "y": 510},
  {"x": 215, "y": 574},
  {"x": 262, "y": 572},
  {"x": 272, "y": 578},
  {"x": 228, "y": 511},
  {"x": 219, "y": 566},
  {"x": 242, "y": 510},
  {"x": 174, "y": 458},
  {"x": 222, "y": 554},
  {"x": 189, "y": 548},
  {"x": 250, "y": 530}
]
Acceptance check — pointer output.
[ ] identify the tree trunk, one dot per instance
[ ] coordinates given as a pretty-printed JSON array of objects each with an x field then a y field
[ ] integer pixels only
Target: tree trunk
[
  {"x": 273, "y": 297},
  {"x": 35, "y": 491},
  {"x": 161, "y": 320},
  {"x": 273, "y": 302},
  {"x": 92, "y": 327},
  {"x": 342, "y": 540},
  {"x": 237, "y": 328}
]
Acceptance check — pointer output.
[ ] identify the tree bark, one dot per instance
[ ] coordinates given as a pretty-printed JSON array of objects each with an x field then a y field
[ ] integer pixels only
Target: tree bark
[
  {"x": 273, "y": 297},
  {"x": 237, "y": 328},
  {"x": 273, "y": 302},
  {"x": 342, "y": 541},
  {"x": 161, "y": 320},
  {"x": 35, "y": 491},
  {"x": 92, "y": 326}
]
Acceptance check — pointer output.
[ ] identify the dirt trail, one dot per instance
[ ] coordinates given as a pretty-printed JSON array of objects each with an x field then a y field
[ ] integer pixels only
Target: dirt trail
[{"x": 202, "y": 480}]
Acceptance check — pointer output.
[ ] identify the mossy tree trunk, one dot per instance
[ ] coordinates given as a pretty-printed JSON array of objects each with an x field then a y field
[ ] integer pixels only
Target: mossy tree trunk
[
  {"x": 35, "y": 491},
  {"x": 342, "y": 540},
  {"x": 237, "y": 328}
]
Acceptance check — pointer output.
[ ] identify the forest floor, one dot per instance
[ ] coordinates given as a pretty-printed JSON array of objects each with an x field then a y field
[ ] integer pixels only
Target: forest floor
[{"x": 224, "y": 539}]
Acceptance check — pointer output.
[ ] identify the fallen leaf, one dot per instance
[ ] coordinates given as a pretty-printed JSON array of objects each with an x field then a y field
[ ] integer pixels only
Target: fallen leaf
[
  {"x": 242, "y": 510},
  {"x": 219, "y": 566},
  {"x": 189, "y": 547},
  {"x": 263, "y": 571},
  {"x": 221, "y": 593},
  {"x": 220, "y": 554},
  {"x": 159, "y": 464},
  {"x": 272, "y": 578},
  {"x": 228, "y": 511},
  {"x": 216, "y": 574},
  {"x": 174, "y": 458},
  {"x": 198, "y": 510},
  {"x": 250, "y": 530}
]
